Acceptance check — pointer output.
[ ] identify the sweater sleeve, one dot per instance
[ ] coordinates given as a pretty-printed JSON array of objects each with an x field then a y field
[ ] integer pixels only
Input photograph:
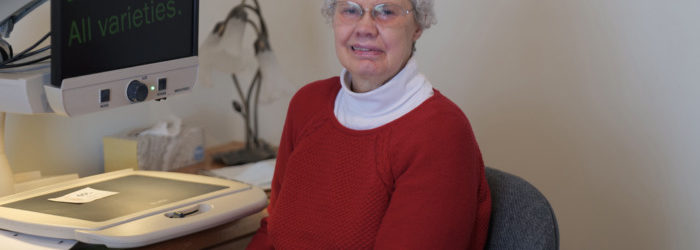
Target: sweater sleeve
[
  {"x": 302, "y": 107},
  {"x": 436, "y": 197},
  {"x": 261, "y": 240}
]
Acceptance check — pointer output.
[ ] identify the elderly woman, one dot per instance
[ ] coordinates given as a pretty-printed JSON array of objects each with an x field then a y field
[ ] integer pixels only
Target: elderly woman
[{"x": 376, "y": 158}]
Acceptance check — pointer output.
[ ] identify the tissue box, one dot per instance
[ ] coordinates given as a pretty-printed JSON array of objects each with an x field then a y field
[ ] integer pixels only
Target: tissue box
[{"x": 151, "y": 151}]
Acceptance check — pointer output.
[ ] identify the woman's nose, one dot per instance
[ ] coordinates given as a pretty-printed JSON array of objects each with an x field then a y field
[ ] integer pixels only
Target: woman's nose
[{"x": 366, "y": 26}]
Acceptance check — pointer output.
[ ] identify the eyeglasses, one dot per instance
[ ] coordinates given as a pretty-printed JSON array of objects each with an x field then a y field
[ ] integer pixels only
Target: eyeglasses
[{"x": 383, "y": 13}]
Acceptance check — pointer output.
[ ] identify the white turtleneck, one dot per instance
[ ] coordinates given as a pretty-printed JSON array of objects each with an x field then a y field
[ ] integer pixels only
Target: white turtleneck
[{"x": 395, "y": 98}]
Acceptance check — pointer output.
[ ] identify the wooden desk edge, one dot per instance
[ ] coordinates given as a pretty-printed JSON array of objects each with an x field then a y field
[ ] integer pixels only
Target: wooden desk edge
[{"x": 222, "y": 234}]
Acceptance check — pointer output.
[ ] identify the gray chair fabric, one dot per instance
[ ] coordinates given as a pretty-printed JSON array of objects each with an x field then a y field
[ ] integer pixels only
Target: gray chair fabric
[{"x": 521, "y": 217}]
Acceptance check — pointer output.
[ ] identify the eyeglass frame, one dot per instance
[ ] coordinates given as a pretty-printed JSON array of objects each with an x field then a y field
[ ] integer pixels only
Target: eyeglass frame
[{"x": 373, "y": 10}]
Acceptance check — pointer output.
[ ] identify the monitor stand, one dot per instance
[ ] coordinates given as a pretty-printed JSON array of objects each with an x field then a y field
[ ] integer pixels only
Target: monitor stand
[{"x": 6, "y": 177}]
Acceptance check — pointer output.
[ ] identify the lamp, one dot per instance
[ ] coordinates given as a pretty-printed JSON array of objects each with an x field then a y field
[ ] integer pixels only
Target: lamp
[{"x": 222, "y": 51}]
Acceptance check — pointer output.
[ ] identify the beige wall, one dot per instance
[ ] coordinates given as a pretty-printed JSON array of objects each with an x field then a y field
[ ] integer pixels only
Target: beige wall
[{"x": 595, "y": 102}]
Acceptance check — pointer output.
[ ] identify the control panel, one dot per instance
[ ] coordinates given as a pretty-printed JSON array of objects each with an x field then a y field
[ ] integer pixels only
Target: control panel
[{"x": 83, "y": 95}]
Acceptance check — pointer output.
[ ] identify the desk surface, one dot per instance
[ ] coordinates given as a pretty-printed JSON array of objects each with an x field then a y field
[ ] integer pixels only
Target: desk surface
[
  {"x": 208, "y": 162},
  {"x": 232, "y": 235}
]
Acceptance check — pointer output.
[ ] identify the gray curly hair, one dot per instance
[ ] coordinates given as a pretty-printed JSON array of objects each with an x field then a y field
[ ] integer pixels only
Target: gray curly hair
[{"x": 424, "y": 13}]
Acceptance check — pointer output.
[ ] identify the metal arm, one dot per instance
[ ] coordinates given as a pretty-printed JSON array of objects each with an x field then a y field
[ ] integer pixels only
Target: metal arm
[{"x": 8, "y": 20}]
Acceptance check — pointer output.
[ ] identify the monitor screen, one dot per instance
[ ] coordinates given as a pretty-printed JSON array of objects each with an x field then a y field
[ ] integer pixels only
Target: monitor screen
[{"x": 89, "y": 36}]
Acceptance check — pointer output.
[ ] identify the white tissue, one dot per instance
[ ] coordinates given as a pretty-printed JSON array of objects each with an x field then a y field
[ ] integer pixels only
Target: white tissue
[
  {"x": 164, "y": 128},
  {"x": 169, "y": 145}
]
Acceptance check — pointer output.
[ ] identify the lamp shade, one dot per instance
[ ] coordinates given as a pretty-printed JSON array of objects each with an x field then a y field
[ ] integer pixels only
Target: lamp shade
[
  {"x": 232, "y": 38},
  {"x": 274, "y": 85},
  {"x": 221, "y": 50}
]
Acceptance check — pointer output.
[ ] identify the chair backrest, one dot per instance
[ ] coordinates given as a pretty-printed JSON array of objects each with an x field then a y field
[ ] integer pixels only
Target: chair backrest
[{"x": 521, "y": 217}]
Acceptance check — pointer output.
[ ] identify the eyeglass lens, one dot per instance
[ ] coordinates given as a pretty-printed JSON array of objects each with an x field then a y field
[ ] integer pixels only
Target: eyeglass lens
[{"x": 384, "y": 13}]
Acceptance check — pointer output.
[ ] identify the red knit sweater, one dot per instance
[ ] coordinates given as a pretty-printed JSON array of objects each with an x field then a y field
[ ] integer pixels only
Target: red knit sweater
[{"x": 415, "y": 183}]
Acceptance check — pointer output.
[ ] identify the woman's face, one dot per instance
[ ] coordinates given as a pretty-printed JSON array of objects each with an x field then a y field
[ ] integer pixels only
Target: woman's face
[{"x": 371, "y": 49}]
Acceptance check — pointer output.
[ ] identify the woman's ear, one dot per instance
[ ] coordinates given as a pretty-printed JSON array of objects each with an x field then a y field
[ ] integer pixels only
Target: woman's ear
[{"x": 417, "y": 34}]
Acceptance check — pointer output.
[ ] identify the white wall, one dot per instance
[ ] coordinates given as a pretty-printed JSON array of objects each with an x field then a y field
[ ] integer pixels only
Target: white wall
[{"x": 594, "y": 102}]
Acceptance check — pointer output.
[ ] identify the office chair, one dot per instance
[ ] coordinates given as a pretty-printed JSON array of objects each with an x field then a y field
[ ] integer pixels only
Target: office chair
[{"x": 521, "y": 217}]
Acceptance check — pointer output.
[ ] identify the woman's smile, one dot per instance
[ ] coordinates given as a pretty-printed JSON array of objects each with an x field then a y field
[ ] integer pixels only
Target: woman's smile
[{"x": 366, "y": 51}]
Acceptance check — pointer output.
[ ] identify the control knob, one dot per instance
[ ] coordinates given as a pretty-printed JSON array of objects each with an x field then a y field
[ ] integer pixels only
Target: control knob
[{"x": 136, "y": 91}]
